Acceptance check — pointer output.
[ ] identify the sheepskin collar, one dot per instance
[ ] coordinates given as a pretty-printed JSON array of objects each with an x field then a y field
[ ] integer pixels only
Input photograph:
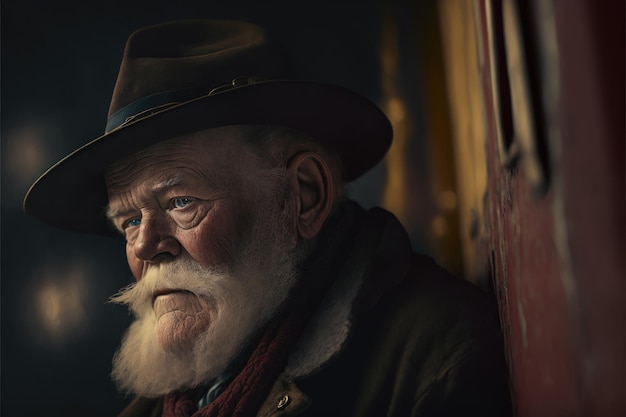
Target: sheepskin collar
[{"x": 375, "y": 257}]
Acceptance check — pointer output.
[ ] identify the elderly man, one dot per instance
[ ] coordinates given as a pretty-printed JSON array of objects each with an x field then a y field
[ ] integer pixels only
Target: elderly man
[{"x": 261, "y": 289}]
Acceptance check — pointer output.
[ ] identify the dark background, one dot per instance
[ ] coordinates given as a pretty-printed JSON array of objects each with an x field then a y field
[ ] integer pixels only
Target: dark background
[{"x": 59, "y": 64}]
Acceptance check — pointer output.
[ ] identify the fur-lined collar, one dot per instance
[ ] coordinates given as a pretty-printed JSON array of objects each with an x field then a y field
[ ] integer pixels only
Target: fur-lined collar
[{"x": 378, "y": 259}]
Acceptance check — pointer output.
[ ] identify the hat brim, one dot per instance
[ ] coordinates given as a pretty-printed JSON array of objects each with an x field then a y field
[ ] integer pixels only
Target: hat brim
[{"x": 72, "y": 193}]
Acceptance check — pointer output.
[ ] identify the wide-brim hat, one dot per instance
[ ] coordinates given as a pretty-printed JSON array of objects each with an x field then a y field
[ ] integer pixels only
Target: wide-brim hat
[{"x": 180, "y": 77}]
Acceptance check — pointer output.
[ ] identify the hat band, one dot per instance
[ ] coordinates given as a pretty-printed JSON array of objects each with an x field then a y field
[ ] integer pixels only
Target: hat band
[{"x": 146, "y": 106}]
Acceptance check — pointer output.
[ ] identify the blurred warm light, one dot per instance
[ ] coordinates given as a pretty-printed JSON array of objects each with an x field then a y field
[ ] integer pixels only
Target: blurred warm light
[
  {"x": 395, "y": 109},
  {"x": 26, "y": 153},
  {"x": 58, "y": 303},
  {"x": 460, "y": 39},
  {"x": 447, "y": 200},
  {"x": 396, "y": 188},
  {"x": 59, "y": 308},
  {"x": 439, "y": 226}
]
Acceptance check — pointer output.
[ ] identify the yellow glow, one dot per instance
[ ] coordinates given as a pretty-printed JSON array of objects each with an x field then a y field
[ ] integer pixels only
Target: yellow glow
[
  {"x": 439, "y": 226},
  {"x": 26, "y": 154},
  {"x": 396, "y": 189},
  {"x": 447, "y": 200},
  {"x": 59, "y": 303},
  {"x": 395, "y": 109},
  {"x": 463, "y": 58}
]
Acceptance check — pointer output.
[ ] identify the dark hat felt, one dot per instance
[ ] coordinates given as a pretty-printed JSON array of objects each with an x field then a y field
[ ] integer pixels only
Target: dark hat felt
[{"x": 181, "y": 77}]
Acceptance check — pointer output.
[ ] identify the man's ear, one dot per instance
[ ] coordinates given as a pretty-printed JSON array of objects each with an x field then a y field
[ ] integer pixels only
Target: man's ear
[{"x": 312, "y": 183}]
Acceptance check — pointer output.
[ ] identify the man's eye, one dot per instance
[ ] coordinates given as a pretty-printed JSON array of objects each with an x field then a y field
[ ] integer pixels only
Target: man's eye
[
  {"x": 180, "y": 202},
  {"x": 133, "y": 222}
]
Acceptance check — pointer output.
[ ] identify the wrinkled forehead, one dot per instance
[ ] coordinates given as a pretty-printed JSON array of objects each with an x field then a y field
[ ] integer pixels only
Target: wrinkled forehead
[{"x": 211, "y": 153}]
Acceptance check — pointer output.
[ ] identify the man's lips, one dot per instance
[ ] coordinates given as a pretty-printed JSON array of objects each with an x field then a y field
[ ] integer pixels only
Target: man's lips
[
  {"x": 165, "y": 291},
  {"x": 183, "y": 302}
]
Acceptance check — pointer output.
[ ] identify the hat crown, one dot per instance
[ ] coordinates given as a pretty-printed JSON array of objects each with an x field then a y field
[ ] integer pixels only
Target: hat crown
[
  {"x": 186, "y": 76},
  {"x": 193, "y": 55}
]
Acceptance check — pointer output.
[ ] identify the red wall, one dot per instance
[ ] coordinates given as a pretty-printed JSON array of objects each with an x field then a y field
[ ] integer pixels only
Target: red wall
[{"x": 557, "y": 257}]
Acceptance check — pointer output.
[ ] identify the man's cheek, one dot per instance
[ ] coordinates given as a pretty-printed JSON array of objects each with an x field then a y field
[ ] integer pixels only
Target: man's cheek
[{"x": 213, "y": 246}]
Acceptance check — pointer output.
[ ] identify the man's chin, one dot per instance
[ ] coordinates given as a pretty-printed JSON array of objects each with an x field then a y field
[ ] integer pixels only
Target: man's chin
[
  {"x": 177, "y": 331},
  {"x": 159, "y": 356},
  {"x": 147, "y": 366}
]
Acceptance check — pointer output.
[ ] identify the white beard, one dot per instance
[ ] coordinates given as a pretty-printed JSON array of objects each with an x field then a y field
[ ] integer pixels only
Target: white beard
[{"x": 243, "y": 298}]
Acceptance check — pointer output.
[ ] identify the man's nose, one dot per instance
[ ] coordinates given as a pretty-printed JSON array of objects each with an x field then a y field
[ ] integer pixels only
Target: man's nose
[{"x": 155, "y": 241}]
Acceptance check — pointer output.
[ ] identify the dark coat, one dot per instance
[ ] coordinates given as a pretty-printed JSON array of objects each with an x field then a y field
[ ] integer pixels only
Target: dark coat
[{"x": 395, "y": 336}]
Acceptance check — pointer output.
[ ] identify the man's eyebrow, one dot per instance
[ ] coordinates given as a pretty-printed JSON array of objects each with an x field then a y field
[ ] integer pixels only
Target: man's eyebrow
[
  {"x": 168, "y": 183},
  {"x": 113, "y": 212}
]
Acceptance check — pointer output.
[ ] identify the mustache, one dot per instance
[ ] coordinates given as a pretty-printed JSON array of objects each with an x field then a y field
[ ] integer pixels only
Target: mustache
[
  {"x": 135, "y": 296},
  {"x": 182, "y": 274},
  {"x": 124, "y": 295}
]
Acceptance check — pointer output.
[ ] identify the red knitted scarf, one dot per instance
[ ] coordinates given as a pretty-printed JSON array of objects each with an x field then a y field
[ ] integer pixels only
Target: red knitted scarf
[{"x": 247, "y": 391}]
